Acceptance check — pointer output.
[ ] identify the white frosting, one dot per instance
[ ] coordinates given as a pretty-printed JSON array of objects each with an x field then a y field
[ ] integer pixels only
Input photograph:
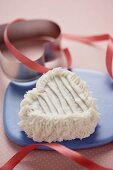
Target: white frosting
[{"x": 59, "y": 108}]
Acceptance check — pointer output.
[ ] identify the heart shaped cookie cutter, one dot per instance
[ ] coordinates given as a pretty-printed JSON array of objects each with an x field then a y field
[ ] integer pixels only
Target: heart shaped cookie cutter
[{"x": 46, "y": 31}]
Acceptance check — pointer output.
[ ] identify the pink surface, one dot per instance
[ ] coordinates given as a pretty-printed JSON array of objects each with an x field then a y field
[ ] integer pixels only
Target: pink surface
[{"x": 77, "y": 17}]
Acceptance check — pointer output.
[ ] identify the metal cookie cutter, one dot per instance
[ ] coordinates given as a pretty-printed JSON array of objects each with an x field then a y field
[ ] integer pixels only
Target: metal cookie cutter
[{"x": 44, "y": 31}]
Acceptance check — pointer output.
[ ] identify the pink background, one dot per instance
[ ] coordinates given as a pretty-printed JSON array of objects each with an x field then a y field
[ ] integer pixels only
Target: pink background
[{"x": 82, "y": 17}]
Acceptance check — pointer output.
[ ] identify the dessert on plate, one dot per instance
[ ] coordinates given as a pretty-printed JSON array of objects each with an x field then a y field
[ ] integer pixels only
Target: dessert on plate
[{"x": 59, "y": 108}]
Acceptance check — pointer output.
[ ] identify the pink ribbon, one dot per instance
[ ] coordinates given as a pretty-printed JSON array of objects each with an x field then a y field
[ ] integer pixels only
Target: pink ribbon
[
  {"x": 73, "y": 155},
  {"x": 96, "y": 38}
]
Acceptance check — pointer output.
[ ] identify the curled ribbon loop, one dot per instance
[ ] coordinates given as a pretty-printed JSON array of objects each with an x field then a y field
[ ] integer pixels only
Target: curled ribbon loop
[
  {"x": 96, "y": 38},
  {"x": 73, "y": 155},
  {"x": 84, "y": 39}
]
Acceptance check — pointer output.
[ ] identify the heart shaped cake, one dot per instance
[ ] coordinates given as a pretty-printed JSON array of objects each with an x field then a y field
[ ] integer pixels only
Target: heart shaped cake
[{"x": 59, "y": 108}]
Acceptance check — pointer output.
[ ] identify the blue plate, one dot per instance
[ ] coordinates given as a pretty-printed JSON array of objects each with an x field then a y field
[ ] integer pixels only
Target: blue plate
[{"x": 99, "y": 83}]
